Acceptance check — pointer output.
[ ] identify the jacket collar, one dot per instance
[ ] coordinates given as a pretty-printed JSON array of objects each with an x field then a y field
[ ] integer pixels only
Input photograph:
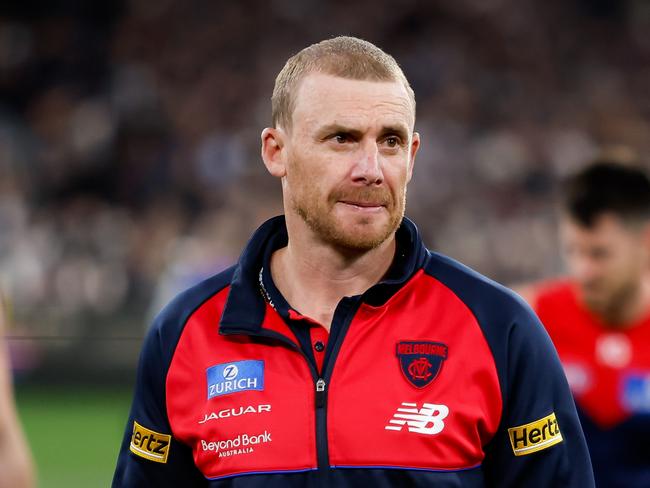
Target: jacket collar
[{"x": 246, "y": 304}]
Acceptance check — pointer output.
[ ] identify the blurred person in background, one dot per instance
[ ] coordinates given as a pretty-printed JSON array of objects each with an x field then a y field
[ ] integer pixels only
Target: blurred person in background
[
  {"x": 339, "y": 351},
  {"x": 16, "y": 466},
  {"x": 599, "y": 315}
]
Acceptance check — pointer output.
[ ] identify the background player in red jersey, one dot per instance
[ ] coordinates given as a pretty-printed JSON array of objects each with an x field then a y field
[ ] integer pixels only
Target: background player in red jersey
[
  {"x": 16, "y": 470},
  {"x": 599, "y": 316}
]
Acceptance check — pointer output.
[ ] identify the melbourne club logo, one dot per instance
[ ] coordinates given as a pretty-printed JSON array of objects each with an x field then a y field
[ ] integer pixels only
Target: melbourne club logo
[
  {"x": 427, "y": 420},
  {"x": 421, "y": 361}
]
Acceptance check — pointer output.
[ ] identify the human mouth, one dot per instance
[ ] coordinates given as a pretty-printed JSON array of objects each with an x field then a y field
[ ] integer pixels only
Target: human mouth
[{"x": 363, "y": 206}]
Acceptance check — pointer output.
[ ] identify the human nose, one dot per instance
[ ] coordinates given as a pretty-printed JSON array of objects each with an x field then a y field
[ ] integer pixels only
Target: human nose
[{"x": 367, "y": 168}]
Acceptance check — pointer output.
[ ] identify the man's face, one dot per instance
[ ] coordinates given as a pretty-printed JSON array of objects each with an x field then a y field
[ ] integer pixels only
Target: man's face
[
  {"x": 606, "y": 260},
  {"x": 349, "y": 157}
]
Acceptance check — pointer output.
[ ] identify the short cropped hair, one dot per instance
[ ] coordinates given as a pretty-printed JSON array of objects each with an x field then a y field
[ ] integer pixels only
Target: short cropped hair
[
  {"x": 607, "y": 186},
  {"x": 346, "y": 57}
]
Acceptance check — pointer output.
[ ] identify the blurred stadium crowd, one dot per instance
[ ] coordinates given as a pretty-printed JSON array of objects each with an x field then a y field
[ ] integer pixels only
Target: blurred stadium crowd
[{"x": 129, "y": 137}]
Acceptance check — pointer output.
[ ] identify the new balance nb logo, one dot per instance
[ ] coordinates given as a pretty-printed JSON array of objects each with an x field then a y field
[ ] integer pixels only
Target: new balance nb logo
[{"x": 426, "y": 420}]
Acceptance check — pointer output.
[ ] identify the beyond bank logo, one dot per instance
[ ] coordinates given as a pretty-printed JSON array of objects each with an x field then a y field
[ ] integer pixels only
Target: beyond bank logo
[{"x": 234, "y": 377}]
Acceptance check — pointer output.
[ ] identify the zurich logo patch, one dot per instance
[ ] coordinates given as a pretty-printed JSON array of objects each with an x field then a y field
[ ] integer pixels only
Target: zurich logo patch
[
  {"x": 421, "y": 361},
  {"x": 235, "y": 377}
]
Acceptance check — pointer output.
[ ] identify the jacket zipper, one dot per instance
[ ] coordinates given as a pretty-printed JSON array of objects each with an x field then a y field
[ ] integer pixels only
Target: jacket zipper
[
  {"x": 320, "y": 393},
  {"x": 320, "y": 380},
  {"x": 322, "y": 446},
  {"x": 322, "y": 453}
]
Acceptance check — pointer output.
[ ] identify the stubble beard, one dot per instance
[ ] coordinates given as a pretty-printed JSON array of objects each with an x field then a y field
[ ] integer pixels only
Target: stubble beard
[{"x": 318, "y": 214}]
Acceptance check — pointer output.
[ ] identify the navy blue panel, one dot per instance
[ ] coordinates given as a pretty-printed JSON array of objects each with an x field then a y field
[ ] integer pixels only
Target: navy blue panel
[{"x": 357, "y": 478}]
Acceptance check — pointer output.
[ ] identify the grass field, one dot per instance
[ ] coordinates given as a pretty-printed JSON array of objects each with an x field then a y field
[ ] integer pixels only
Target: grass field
[{"x": 74, "y": 434}]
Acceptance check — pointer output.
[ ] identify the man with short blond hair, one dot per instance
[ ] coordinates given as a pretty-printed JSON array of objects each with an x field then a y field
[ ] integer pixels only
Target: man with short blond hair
[{"x": 339, "y": 351}]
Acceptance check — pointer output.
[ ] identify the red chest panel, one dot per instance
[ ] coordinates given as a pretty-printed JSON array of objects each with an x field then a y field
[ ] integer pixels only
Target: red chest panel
[
  {"x": 368, "y": 388},
  {"x": 225, "y": 439},
  {"x": 375, "y": 416}
]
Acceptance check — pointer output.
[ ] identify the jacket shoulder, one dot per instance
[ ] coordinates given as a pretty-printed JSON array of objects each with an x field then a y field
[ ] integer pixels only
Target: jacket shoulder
[{"x": 486, "y": 298}]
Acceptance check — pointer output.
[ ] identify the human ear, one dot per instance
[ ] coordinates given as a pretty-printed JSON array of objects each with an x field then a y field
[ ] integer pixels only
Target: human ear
[{"x": 273, "y": 147}]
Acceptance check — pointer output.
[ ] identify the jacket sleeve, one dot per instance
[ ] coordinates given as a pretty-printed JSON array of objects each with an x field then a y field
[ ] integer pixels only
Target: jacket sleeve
[
  {"x": 149, "y": 453},
  {"x": 539, "y": 442}
]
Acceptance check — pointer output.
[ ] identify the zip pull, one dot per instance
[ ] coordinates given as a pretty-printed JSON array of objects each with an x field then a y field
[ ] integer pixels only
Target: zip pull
[{"x": 320, "y": 393}]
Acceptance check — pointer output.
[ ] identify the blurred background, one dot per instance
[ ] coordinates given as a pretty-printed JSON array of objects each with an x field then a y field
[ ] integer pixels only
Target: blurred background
[{"x": 130, "y": 168}]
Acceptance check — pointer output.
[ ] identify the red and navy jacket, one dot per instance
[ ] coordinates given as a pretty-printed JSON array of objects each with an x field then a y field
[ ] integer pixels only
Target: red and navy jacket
[
  {"x": 435, "y": 376},
  {"x": 608, "y": 370}
]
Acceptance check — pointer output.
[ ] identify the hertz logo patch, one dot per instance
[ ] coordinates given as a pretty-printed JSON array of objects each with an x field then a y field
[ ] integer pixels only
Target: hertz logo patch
[
  {"x": 149, "y": 444},
  {"x": 535, "y": 436}
]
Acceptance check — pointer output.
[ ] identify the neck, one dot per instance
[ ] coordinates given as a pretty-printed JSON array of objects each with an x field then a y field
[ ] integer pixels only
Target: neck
[{"x": 314, "y": 276}]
